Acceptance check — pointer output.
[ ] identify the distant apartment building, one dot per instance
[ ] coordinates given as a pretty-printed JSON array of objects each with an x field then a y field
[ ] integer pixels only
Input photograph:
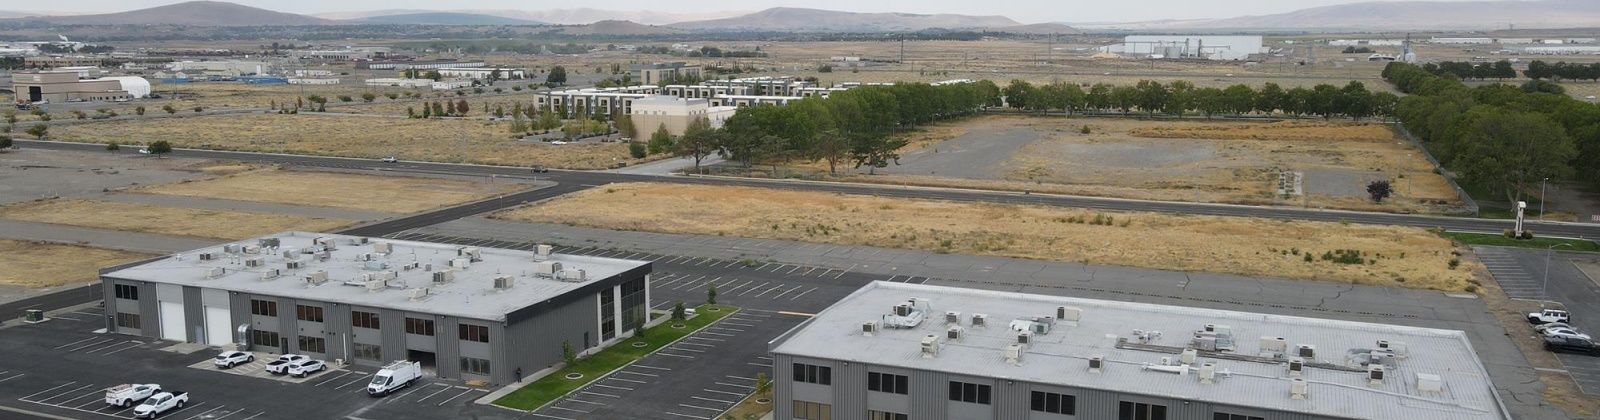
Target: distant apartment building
[
  {"x": 658, "y": 73},
  {"x": 418, "y": 64},
  {"x": 608, "y": 101}
]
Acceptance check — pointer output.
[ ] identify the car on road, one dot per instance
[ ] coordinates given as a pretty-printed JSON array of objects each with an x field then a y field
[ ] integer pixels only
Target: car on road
[
  {"x": 1571, "y": 345},
  {"x": 126, "y": 395},
  {"x": 229, "y": 359},
  {"x": 281, "y": 366},
  {"x": 160, "y": 403},
  {"x": 539, "y": 169},
  {"x": 390, "y": 159},
  {"x": 1565, "y": 332},
  {"x": 1548, "y": 316},
  {"x": 558, "y": 142},
  {"x": 144, "y": 150},
  {"x": 307, "y": 367}
]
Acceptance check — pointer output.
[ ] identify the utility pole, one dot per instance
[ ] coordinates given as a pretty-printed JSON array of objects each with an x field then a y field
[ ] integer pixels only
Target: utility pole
[{"x": 1541, "y": 197}]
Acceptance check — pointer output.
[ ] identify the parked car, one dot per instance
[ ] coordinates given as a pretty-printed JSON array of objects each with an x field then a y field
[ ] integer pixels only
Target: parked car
[
  {"x": 1571, "y": 345},
  {"x": 391, "y": 159},
  {"x": 1541, "y": 327},
  {"x": 144, "y": 150},
  {"x": 160, "y": 403},
  {"x": 229, "y": 359},
  {"x": 129, "y": 394},
  {"x": 306, "y": 367},
  {"x": 539, "y": 169},
  {"x": 1565, "y": 332},
  {"x": 396, "y": 375},
  {"x": 281, "y": 366},
  {"x": 1548, "y": 316}
]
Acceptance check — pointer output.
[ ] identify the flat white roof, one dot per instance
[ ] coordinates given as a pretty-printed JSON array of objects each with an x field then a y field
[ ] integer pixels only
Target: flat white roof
[
  {"x": 1254, "y": 376},
  {"x": 471, "y": 294}
]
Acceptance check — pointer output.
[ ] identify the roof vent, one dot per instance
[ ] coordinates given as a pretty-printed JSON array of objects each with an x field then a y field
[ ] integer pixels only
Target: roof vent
[
  {"x": 375, "y": 265},
  {"x": 1375, "y": 375},
  {"x": 410, "y": 266},
  {"x": 1208, "y": 373},
  {"x": 460, "y": 263},
  {"x": 574, "y": 276},
  {"x": 255, "y": 262},
  {"x": 471, "y": 252},
  {"x": 1069, "y": 314},
  {"x": 317, "y": 277},
  {"x": 269, "y": 274},
  {"x": 952, "y": 317},
  {"x": 374, "y": 286},
  {"x": 869, "y": 328},
  {"x": 542, "y": 252},
  {"x": 979, "y": 320},
  {"x": 1219, "y": 329},
  {"x": 1014, "y": 354},
  {"x": 443, "y": 276},
  {"x": 367, "y": 256},
  {"x": 953, "y": 333},
  {"x": 902, "y": 309},
  {"x": 207, "y": 256},
  {"x": 1396, "y": 347},
  {"x": 1427, "y": 382},
  {"x": 930, "y": 346},
  {"x": 1306, "y": 351},
  {"x": 1188, "y": 356},
  {"x": 215, "y": 272},
  {"x": 548, "y": 268},
  {"x": 1097, "y": 363},
  {"x": 382, "y": 247},
  {"x": 290, "y": 253},
  {"x": 360, "y": 240},
  {"x": 1024, "y": 337},
  {"x": 1297, "y": 389},
  {"x": 295, "y": 265},
  {"x": 1297, "y": 367},
  {"x": 1273, "y": 346},
  {"x": 504, "y": 282},
  {"x": 418, "y": 293}
]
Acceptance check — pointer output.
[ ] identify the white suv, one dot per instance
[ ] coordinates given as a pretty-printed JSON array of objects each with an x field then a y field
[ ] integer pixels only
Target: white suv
[
  {"x": 230, "y": 359},
  {"x": 305, "y": 368}
]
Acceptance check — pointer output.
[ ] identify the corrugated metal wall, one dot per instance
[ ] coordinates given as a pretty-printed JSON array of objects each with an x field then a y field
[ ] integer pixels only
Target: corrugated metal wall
[
  {"x": 149, "y": 310},
  {"x": 194, "y": 314},
  {"x": 449, "y": 354},
  {"x": 534, "y": 344}
]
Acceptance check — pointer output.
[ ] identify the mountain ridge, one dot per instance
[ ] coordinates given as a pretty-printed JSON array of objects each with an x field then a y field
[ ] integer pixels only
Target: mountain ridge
[{"x": 792, "y": 19}]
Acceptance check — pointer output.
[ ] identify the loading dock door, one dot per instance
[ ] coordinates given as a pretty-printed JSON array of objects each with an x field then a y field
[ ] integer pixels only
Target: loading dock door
[
  {"x": 172, "y": 321},
  {"x": 217, "y": 320}
]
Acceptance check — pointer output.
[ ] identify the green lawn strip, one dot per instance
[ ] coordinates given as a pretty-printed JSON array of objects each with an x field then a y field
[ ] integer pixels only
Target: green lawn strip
[
  {"x": 556, "y": 385},
  {"x": 1537, "y": 242}
]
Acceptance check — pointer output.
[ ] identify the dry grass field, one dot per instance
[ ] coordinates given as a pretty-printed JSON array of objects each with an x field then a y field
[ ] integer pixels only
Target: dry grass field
[
  {"x": 1391, "y": 256},
  {"x": 164, "y": 220},
  {"x": 486, "y": 142},
  {"x": 36, "y": 265},
  {"x": 395, "y": 194}
]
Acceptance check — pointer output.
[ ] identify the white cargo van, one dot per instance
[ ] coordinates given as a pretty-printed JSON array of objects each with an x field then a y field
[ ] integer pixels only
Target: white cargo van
[{"x": 396, "y": 375}]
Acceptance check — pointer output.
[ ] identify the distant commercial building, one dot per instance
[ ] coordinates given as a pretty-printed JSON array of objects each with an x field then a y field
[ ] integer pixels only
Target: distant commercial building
[
  {"x": 675, "y": 114},
  {"x": 450, "y": 84},
  {"x": 1211, "y": 47},
  {"x": 313, "y": 80},
  {"x": 65, "y": 85},
  {"x": 347, "y": 53},
  {"x": 906, "y": 351},
  {"x": 1468, "y": 41},
  {"x": 653, "y": 74},
  {"x": 418, "y": 64},
  {"x": 57, "y": 62},
  {"x": 229, "y": 68},
  {"x": 398, "y": 82},
  {"x": 1560, "y": 49},
  {"x": 482, "y": 73},
  {"x": 1516, "y": 40},
  {"x": 465, "y": 312}
]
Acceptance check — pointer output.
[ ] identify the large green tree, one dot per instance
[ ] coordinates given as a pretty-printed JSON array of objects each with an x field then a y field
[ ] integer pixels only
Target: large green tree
[
  {"x": 557, "y": 76},
  {"x": 1508, "y": 150}
]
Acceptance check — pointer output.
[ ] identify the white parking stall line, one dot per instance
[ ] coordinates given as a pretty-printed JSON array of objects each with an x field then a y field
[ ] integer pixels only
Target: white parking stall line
[
  {"x": 686, "y": 415},
  {"x": 203, "y": 413},
  {"x": 663, "y": 304},
  {"x": 257, "y": 415},
  {"x": 726, "y": 321},
  {"x": 733, "y": 385},
  {"x": 702, "y": 408},
  {"x": 47, "y": 390},
  {"x": 78, "y": 342},
  {"x": 780, "y": 295},
  {"x": 690, "y": 282},
  {"x": 404, "y": 394},
  {"x": 779, "y": 267},
  {"x": 649, "y": 367},
  {"x": 841, "y": 274},
  {"x": 626, "y": 380},
  {"x": 585, "y": 402},
  {"x": 72, "y": 391},
  {"x": 730, "y": 290},
  {"x": 764, "y": 265},
  {"x": 702, "y": 261},
  {"x": 892, "y": 278},
  {"x": 664, "y": 353},
  {"x": 764, "y": 358},
  {"x": 802, "y": 293},
  {"x": 686, "y": 343},
  {"x": 724, "y": 328},
  {"x": 441, "y": 391},
  {"x": 758, "y": 364},
  {"x": 779, "y": 286},
  {"x": 100, "y": 393},
  {"x": 697, "y": 285},
  {"x": 730, "y": 264},
  {"x": 717, "y": 334},
  {"x": 673, "y": 260},
  {"x": 725, "y": 392},
  {"x": 341, "y": 375},
  {"x": 791, "y": 271},
  {"x": 102, "y": 340},
  {"x": 119, "y": 346},
  {"x": 923, "y": 281},
  {"x": 825, "y": 273},
  {"x": 631, "y": 255},
  {"x": 65, "y": 317},
  {"x": 568, "y": 409},
  {"x": 808, "y": 271},
  {"x": 740, "y": 377},
  {"x": 613, "y": 387},
  {"x": 599, "y": 394},
  {"x": 359, "y": 379},
  {"x": 638, "y": 373},
  {"x": 712, "y": 400},
  {"x": 458, "y": 396},
  {"x": 703, "y": 338},
  {"x": 755, "y": 288},
  {"x": 4, "y": 379},
  {"x": 688, "y": 350},
  {"x": 550, "y": 416}
]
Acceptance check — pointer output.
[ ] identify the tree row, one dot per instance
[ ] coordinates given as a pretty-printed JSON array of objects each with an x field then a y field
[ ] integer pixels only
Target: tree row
[{"x": 1181, "y": 98}]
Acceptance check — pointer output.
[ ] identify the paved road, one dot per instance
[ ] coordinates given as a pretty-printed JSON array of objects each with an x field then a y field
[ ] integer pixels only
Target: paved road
[{"x": 574, "y": 179}]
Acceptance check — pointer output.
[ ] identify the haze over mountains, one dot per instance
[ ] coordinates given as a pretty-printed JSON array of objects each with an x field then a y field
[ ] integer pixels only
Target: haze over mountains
[
  {"x": 579, "y": 16},
  {"x": 1401, "y": 15}
]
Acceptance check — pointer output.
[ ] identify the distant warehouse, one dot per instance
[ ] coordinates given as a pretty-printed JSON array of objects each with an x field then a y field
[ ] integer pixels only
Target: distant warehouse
[
  {"x": 905, "y": 351},
  {"x": 466, "y": 312},
  {"x": 66, "y": 85},
  {"x": 1210, "y": 47}
]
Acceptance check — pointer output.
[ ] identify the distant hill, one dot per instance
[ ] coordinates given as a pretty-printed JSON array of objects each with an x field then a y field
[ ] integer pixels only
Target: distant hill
[
  {"x": 195, "y": 13},
  {"x": 618, "y": 27},
  {"x": 444, "y": 18},
  {"x": 1406, "y": 15},
  {"x": 1038, "y": 28},
  {"x": 580, "y": 16},
  {"x": 798, "y": 20}
]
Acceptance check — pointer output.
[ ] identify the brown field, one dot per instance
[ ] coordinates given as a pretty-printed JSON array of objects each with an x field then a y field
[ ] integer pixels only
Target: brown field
[
  {"x": 395, "y": 194},
  {"x": 37, "y": 265},
  {"x": 486, "y": 142},
  {"x": 164, "y": 220},
  {"x": 1404, "y": 257}
]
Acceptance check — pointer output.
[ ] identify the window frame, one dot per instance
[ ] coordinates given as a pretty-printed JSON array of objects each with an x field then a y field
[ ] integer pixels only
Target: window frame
[
  {"x": 416, "y": 326},
  {"x": 359, "y": 350},
  {"x": 125, "y": 291},
  {"x": 262, "y": 306},
  {"x": 364, "y": 319},
  {"x": 474, "y": 333},
  {"x": 306, "y": 312},
  {"x": 1219, "y": 415},
  {"x": 888, "y": 383},
  {"x": 471, "y": 365},
  {"x": 813, "y": 374},
  {"x": 127, "y": 320},
  {"x": 312, "y": 344},
  {"x": 803, "y": 410},
  {"x": 971, "y": 393},
  {"x": 1040, "y": 401},
  {"x": 1134, "y": 410}
]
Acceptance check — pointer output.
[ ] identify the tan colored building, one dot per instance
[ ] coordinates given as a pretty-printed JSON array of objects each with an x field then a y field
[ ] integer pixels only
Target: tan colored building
[
  {"x": 63, "y": 86},
  {"x": 674, "y": 113},
  {"x": 658, "y": 73}
]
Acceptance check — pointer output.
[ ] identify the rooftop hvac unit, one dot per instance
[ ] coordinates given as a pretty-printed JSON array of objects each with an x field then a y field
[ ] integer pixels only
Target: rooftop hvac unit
[
  {"x": 542, "y": 252},
  {"x": 1024, "y": 337},
  {"x": 375, "y": 265},
  {"x": 1014, "y": 354},
  {"x": 1274, "y": 344},
  {"x": 317, "y": 277},
  {"x": 1297, "y": 388},
  {"x": 309, "y": 250},
  {"x": 1382, "y": 357},
  {"x": 268, "y": 242},
  {"x": 215, "y": 272},
  {"x": 930, "y": 346},
  {"x": 254, "y": 262},
  {"x": 504, "y": 282},
  {"x": 325, "y": 254},
  {"x": 869, "y": 328},
  {"x": 367, "y": 256},
  {"x": 1219, "y": 329},
  {"x": 1375, "y": 375},
  {"x": 443, "y": 276},
  {"x": 374, "y": 286},
  {"x": 427, "y": 267},
  {"x": 1306, "y": 351},
  {"x": 231, "y": 248},
  {"x": 953, "y": 333},
  {"x": 1397, "y": 347},
  {"x": 207, "y": 256},
  {"x": 295, "y": 265},
  {"x": 417, "y": 293},
  {"x": 472, "y": 253},
  {"x": 252, "y": 249},
  {"x": 577, "y": 275},
  {"x": 1208, "y": 373},
  {"x": 1097, "y": 363},
  {"x": 290, "y": 253},
  {"x": 548, "y": 268},
  {"x": 359, "y": 240},
  {"x": 269, "y": 274},
  {"x": 978, "y": 320},
  {"x": 327, "y": 243},
  {"x": 902, "y": 309},
  {"x": 1297, "y": 367},
  {"x": 952, "y": 317},
  {"x": 1427, "y": 382},
  {"x": 1188, "y": 356},
  {"x": 385, "y": 275},
  {"x": 460, "y": 263},
  {"x": 1069, "y": 314},
  {"x": 382, "y": 247}
]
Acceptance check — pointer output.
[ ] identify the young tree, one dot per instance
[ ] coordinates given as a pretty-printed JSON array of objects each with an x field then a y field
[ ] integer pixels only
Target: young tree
[
  {"x": 113, "y": 147},
  {"x": 624, "y": 123},
  {"x": 678, "y": 312},
  {"x": 38, "y": 131},
  {"x": 711, "y": 294},
  {"x": 699, "y": 141},
  {"x": 557, "y": 76},
  {"x": 762, "y": 383},
  {"x": 5, "y": 142},
  {"x": 568, "y": 356},
  {"x": 427, "y": 112},
  {"x": 345, "y": 98},
  {"x": 411, "y": 112},
  {"x": 449, "y": 108},
  {"x": 139, "y": 110},
  {"x": 638, "y": 150},
  {"x": 368, "y": 97},
  {"x": 461, "y": 107},
  {"x": 169, "y": 109},
  {"x": 159, "y": 147},
  {"x": 1379, "y": 190},
  {"x": 661, "y": 141},
  {"x": 392, "y": 95}
]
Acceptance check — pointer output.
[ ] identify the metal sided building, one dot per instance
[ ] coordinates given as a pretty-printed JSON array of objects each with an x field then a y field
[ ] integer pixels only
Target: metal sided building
[
  {"x": 465, "y": 312},
  {"x": 896, "y": 351}
]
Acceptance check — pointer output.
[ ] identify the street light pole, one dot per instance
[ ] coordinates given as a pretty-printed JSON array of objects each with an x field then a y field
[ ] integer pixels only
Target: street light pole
[
  {"x": 1544, "y": 288},
  {"x": 1541, "y": 198}
]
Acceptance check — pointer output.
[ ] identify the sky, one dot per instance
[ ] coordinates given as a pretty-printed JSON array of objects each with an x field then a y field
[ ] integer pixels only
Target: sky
[{"x": 1025, "y": 11}]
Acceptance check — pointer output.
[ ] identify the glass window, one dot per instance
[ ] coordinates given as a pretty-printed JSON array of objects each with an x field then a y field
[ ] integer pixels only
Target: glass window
[
  {"x": 308, "y": 313},
  {"x": 419, "y": 326},
  {"x": 970, "y": 393},
  {"x": 1141, "y": 411},
  {"x": 127, "y": 291},
  {"x": 474, "y": 366},
  {"x": 1051, "y": 402},
  {"x": 127, "y": 320},
  {"x": 264, "y": 338},
  {"x": 264, "y": 307},
  {"x": 1226, "y": 416},
  {"x": 887, "y": 382},
  {"x": 806, "y": 410},
  {"x": 477, "y": 333},
  {"x": 371, "y": 352},
  {"x": 361, "y": 319},
  {"x": 884, "y": 415},
  {"x": 820, "y": 375},
  {"x": 313, "y": 344}
]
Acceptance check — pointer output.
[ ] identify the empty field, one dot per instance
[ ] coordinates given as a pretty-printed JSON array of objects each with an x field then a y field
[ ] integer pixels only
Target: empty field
[
  {"x": 393, "y": 194},
  {"x": 472, "y": 141},
  {"x": 1390, "y": 256},
  {"x": 164, "y": 220},
  {"x": 35, "y": 265}
]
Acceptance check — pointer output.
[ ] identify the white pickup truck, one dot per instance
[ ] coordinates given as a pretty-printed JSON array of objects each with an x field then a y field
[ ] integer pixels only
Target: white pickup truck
[
  {"x": 395, "y": 375},
  {"x": 281, "y": 366},
  {"x": 128, "y": 394},
  {"x": 160, "y": 403}
]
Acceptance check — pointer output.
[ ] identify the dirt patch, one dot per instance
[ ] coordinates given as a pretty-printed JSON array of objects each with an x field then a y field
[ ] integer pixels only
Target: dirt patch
[
  {"x": 164, "y": 220},
  {"x": 1389, "y": 256},
  {"x": 35, "y": 265},
  {"x": 449, "y": 140},
  {"x": 394, "y": 194}
]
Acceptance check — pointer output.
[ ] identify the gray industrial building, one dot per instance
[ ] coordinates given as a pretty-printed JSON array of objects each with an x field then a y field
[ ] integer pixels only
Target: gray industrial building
[
  {"x": 896, "y": 351},
  {"x": 465, "y": 312}
]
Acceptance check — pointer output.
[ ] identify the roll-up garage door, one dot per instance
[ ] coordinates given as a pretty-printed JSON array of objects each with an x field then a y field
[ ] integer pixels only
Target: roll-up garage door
[{"x": 172, "y": 321}]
